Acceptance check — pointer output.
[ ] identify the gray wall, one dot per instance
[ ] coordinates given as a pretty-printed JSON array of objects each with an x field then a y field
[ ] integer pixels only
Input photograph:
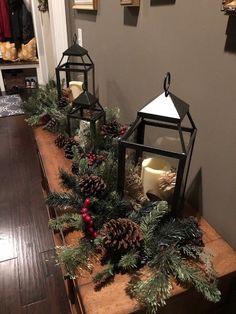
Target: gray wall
[{"x": 132, "y": 51}]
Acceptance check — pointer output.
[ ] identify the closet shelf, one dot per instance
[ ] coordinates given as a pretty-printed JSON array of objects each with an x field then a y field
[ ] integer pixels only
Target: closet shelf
[{"x": 4, "y": 65}]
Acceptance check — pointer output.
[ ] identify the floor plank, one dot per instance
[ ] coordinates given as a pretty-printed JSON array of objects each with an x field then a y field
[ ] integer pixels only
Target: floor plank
[
  {"x": 32, "y": 286},
  {"x": 9, "y": 288},
  {"x": 7, "y": 245},
  {"x": 40, "y": 307}
]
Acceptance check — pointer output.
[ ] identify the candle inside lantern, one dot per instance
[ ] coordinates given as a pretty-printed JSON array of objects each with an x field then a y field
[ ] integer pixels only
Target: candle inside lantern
[
  {"x": 76, "y": 88},
  {"x": 152, "y": 170}
]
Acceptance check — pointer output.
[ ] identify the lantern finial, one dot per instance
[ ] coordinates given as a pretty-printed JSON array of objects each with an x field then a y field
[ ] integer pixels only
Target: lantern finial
[{"x": 166, "y": 84}]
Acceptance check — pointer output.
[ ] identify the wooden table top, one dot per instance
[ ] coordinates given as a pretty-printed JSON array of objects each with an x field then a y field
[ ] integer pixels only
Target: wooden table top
[{"x": 113, "y": 298}]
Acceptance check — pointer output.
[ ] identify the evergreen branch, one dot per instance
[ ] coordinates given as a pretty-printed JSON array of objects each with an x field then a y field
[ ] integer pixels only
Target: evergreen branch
[
  {"x": 67, "y": 221},
  {"x": 81, "y": 164},
  {"x": 169, "y": 261},
  {"x": 206, "y": 258},
  {"x": 110, "y": 207},
  {"x": 104, "y": 277},
  {"x": 33, "y": 120},
  {"x": 98, "y": 241},
  {"x": 149, "y": 224},
  {"x": 64, "y": 199},
  {"x": 69, "y": 181},
  {"x": 76, "y": 258},
  {"x": 44, "y": 101},
  {"x": 191, "y": 251},
  {"x": 108, "y": 171},
  {"x": 192, "y": 275},
  {"x": 176, "y": 231},
  {"x": 151, "y": 220},
  {"x": 129, "y": 261},
  {"x": 152, "y": 292}
]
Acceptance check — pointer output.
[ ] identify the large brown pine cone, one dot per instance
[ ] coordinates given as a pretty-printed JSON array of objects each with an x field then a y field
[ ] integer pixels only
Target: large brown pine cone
[
  {"x": 121, "y": 234},
  {"x": 60, "y": 141},
  {"x": 111, "y": 129},
  {"x": 92, "y": 185}
]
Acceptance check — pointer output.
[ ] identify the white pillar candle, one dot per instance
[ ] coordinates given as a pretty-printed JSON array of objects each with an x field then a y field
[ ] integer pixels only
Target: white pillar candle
[
  {"x": 76, "y": 88},
  {"x": 152, "y": 170}
]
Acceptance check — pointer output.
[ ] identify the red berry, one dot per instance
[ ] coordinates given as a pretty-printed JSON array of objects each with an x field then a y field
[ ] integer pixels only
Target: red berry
[
  {"x": 84, "y": 210},
  {"x": 90, "y": 222},
  {"x": 87, "y": 202},
  {"x": 91, "y": 230},
  {"x": 86, "y": 215},
  {"x": 94, "y": 234},
  {"x": 87, "y": 219}
]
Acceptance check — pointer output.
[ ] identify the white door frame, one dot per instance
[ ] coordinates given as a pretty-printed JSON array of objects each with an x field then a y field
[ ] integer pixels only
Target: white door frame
[{"x": 57, "y": 11}]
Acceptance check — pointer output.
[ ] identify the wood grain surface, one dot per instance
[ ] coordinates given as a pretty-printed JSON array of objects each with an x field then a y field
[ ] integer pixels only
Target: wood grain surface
[{"x": 30, "y": 280}]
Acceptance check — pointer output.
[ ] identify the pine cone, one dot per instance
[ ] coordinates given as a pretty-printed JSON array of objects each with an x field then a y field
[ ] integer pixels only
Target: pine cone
[
  {"x": 67, "y": 92},
  {"x": 74, "y": 169},
  {"x": 60, "y": 141},
  {"x": 92, "y": 185},
  {"x": 167, "y": 181},
  {"x": 69, "y": 143},
  {"x": 51, "y": 125},
  {"x": 45, "y": 118},
  {"x": 111, "y": 129},
  {"x": 63, "y": 102},
  {"x": 121, "y": 234}
]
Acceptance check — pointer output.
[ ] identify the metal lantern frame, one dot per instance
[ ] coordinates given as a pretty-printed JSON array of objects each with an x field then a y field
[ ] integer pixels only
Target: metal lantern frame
[
  {"x": 85, "y": 65},
  {"x": 151, "y": 119},
  {"x": 86, "y": 107}
]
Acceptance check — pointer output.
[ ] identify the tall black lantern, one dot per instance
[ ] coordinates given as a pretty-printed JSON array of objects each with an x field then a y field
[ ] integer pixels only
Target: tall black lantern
[
  {"x": 86, "y": 107},
  {"x": 160, "y": 144},
  {"x": 84, "y": 65}
]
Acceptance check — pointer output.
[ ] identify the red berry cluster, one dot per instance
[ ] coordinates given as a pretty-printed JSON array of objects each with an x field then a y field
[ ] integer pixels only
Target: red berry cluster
[
  {"x": 122, "y": 130},
  {"x": 92, "y": 158},
  {"x": 88, "y": 220}
]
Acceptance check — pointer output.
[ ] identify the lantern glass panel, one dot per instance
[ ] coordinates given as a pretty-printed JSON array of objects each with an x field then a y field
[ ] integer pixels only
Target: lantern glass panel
[
  {"x": 156, "y": 173},
  {"x": 160, "y": 137},
  {"x": 84, "y": 118},
  {"x": 81, "y": 73}
]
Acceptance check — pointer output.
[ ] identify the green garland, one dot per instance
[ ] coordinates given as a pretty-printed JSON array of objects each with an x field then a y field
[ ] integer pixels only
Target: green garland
[
  {"x": 171, "y": 248},
  {"x": 42, "y": 107}
]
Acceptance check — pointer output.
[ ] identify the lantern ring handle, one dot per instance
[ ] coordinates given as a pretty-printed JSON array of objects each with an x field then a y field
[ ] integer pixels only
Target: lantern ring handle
[
  {"x": 166, "y": 84},
  {"x": 75, "y": 38}
]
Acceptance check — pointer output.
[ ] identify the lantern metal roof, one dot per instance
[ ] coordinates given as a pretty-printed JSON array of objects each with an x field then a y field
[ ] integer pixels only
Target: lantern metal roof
[
  {"x": 85, "y": 99},
  {"x": 166, "y": 107},
  {"x": 75, "y": 50}
]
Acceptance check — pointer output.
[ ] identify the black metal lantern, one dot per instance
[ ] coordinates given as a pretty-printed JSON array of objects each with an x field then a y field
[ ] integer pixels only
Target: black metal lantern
[
  {"x": 86, "y": 107},
  {"x": 84, "y": 65},
  {"x": 160, "y": 143}
]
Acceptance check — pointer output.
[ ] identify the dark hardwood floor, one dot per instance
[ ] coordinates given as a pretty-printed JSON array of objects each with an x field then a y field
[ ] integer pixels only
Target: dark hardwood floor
[{"x": 30, "y": 280}]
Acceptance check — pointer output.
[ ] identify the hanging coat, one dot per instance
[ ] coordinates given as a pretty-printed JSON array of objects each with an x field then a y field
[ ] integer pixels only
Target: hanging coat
[
  {"x": 5, "y": 25},
  {"x": 21, "y": 23}
]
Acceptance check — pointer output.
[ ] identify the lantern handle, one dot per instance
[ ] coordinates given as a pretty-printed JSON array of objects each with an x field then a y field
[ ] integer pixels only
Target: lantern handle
[
  {"x": 166, "y": 84},
  {"x": 74, "y": 38}
]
